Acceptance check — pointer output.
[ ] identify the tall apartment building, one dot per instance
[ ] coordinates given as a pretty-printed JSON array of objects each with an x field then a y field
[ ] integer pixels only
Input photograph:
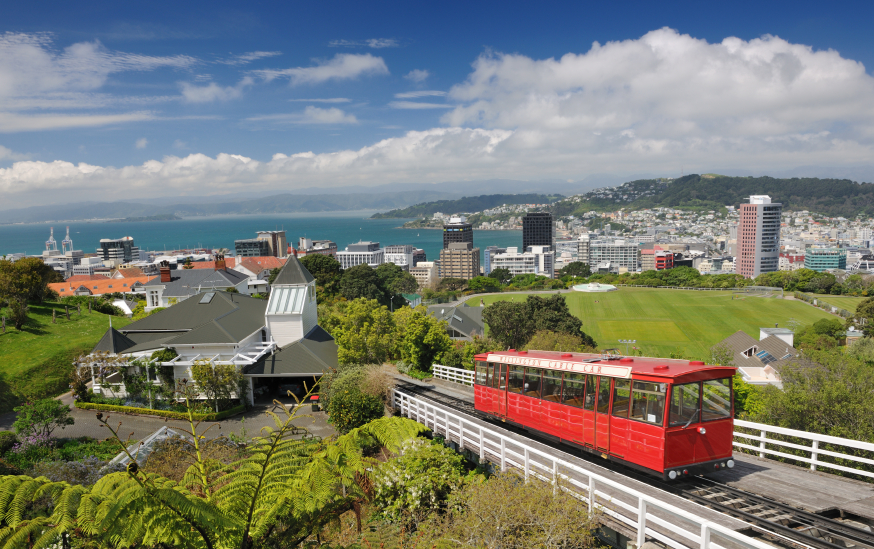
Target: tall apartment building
[
  {"x": 368, "y": 253},
  {"x": 457, "y": 230},
  {"x": 488, "y": 255},
  {"x": 426, "y": 274},
  {"x": 538, "y": 229},
  {"x": 118, "y": 251},
  {"x": 459, "y": 260},
  {"x": 824, "y": 259},
  {"x": 758, "y": 237},
  {"x": 276, "y": 242},
  {"x": 419, "y": 256},
  {"x": 401, "y": 255},
  {"x": 614, "y": 256}
]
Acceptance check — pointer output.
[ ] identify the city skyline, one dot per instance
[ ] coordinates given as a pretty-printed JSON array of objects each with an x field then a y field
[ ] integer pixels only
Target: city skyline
[{"x": 116, "y": 102}]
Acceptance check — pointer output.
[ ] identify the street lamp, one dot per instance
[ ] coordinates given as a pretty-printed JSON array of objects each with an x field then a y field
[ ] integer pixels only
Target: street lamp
[{"x": 627, "y": 342}]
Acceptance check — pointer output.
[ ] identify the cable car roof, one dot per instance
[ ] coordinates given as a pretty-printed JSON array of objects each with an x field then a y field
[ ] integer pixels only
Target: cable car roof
[{"x": 604, "y": 364}]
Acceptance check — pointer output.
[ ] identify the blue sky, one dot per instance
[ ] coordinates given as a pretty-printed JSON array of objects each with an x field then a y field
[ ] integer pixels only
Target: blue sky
[{"x": 115, "y": 100}]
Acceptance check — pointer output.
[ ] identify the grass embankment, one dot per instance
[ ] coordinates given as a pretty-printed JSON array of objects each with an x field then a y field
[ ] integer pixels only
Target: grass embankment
[
  {"x": 842, "y": 302},
  {"x": 664, "y": 320},
  {"x": 36, "y": 361}
]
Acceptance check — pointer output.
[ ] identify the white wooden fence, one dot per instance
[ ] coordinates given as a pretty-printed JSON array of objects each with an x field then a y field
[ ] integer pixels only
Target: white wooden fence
[
  {"x": 758, "y": 443},
  {"x": 646, "y": 515}
]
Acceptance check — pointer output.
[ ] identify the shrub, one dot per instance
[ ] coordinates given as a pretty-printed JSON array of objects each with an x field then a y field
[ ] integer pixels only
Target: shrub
[
  {"x": 85, "y": 472},
  {"x": 198, "y": 416},
  {"x": 7, "y": 441},
  {"x": 42, "y": 417},
  {"x": 418, "y": 481},
  {"x": 172, "y": 457},
  {"x": 352, "y": 409}
]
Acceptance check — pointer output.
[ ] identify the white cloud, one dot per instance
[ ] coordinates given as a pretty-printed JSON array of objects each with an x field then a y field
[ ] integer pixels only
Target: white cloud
[
  {"x": 8, "y": 154},
  {"x": 214, "y": 92},
  {"x": 142, "y": 143},
  {"x": 310, "y": 115},
  {"x": 375, "y": 43},
  {"x": 245, "y": 58},
  {"x": 341, "y": 66},
  {"x": 10, "y": 122},
  {"x": 423, "y": 93},
  {"x": 325, "y": 100},
  {"x": 415, "y": 105},
  {"x": 179, "y": 144},
  {"x": 418, "y": 76}
]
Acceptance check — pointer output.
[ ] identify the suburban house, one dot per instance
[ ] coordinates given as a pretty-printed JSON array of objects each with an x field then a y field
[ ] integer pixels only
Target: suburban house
[
  {"x": 127, "y": 272},
  {"x": 463, "y": 322},
  {"x": 230, "y": 263},
  {"x": 102, "y": 286},
  {"x": 275, "y": 342},
  {"x": 174, "y": 286},
  {"x": 759, "y": 361},
  {"x": 257, "y": 269}
]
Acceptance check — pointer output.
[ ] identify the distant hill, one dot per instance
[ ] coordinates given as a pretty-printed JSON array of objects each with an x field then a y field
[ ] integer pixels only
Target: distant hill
[
  {"x": 832, "y": 197},
  {"x": 467, "y": 204},
  {"x": 161, "y": 217}
]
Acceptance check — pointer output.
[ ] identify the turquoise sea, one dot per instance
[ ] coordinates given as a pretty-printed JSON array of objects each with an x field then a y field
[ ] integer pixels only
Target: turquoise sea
[{"x": 220, "y": 232}]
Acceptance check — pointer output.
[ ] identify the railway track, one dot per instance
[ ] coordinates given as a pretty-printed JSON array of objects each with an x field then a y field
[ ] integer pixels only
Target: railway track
[{"x": 776, "y": 522}]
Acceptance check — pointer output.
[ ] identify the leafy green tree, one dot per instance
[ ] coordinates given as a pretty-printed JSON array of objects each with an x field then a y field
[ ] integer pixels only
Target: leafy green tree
[
  {"x": 421, "y": 339},
  {"x": 483, "y": 284},
  {"x": 279, "y": 494},
  {"x": 361, "y": 281},
  {"x": 576, "y": 268},
  {"x": 274, "y": 273},
  {"x": 546, "y": 340},
  {"x": 864, "y": 317},
  {"x": 364, "y": 332},
  {"x": 23, "y": 281},
  {"x": 501, "y": 274},
  {"x": 395, "y": 280},
  {"x": 509, "y": 323},
  {"x": 326, "y": 270},
  {"x": 42, "y": 417},
  {"x": 216, "y": 381},
  {"x": 452, "y": 284},
  {"x": 352, "y": 408}
]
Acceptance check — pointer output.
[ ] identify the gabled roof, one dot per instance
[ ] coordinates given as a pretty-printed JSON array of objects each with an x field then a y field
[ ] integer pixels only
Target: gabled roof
[
  {"x": 99, "y": 287},
  {"x": 127, "y": 272},
  {"x": 113, "y": 342},
  {"x": 293, "y": 273},
  {"x": 186, "y": 282},
  {"x": 230, "y": 263},
  {"x": 776, "y": 349},
  {"x": 463, "y": 318},
  {"x": 258, "y": 264},
  {"x": 315, "y": 354},
  {"x": 85, "y": 278}
]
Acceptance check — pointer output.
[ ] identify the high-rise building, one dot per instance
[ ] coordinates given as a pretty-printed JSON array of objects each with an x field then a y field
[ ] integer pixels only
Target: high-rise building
[
  {"x": 119, "y": 251},
  {"x": 459, "y": 260},
  {"x": 488, "y": 255},
  {"x": 824, "y": 259},
  {"x": 426, "y": 274},
  {"x": 368, "y": 253},
  {"x": 758, "y": 237},
  {"x": 400, "y": 254},
  {"x": 616, "y": 256},
  {"x": 457, "y": 230},
  {"x": 536, "y": 260},
  {"x": 252, "y": 247},
  {"x": 419, "y": 256},
  {"x": 538, "y": 229},
  {"x": 276, "y": 243}
]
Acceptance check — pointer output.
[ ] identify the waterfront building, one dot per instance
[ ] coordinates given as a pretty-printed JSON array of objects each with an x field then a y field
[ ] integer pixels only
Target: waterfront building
[
  {"x": 308, "y": 246},
  {"x": 459, "y": 260},
  {"x": 758, "y": 237},
  {"x": 118, "y": 251},
  {"x": 252, "y": 247},
  {"x": 538, "y": 229},
  {"x": 457, "y": 230},
  {"x": 825, "y": 259},
  {"x": 400, "y": 254},
  {"x": 361, "y": 253},
  {"x": 488, "y": 255}
]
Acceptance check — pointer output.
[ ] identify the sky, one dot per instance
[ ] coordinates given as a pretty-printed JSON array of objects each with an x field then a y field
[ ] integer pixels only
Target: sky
[{"x": 122, "y": 100}]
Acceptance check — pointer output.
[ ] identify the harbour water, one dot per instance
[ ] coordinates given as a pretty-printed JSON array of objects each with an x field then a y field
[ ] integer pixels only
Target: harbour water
[{"x": 344, "y": 228}]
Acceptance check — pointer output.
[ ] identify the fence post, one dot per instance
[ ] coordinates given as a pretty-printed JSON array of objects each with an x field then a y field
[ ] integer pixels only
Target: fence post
[
  {"x": 554, "y": 477},
  {"x": 503, "y": 455},
  {"x": 482, "y": 446},
  {"x": 526, "y": 464},
  {"x": 762, "y": 445},
  {"x": 641, "y": 522},
  {"x": 705, "y": 536},
  {"x": 591, "y": 496},
  {"x": 814, "y": 455},
  {"x": 460, "y": 434}
]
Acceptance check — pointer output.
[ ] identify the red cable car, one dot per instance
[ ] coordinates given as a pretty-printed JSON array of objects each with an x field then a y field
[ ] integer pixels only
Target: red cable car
[{"x": 668, "y": 417}]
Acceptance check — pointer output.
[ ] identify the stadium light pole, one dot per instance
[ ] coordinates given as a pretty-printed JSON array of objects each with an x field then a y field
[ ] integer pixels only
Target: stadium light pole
[{"x": 627, "y": 342}]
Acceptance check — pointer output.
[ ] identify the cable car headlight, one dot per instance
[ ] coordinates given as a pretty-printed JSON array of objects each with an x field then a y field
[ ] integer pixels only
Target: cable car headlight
[
  {"x": 702, "y": 430},
  {"x": 672, "y": 475},
  {"x": 730, "y": 463}
]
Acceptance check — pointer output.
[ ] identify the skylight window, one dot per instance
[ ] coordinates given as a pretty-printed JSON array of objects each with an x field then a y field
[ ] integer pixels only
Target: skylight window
[{"x": 207, "y": 297}]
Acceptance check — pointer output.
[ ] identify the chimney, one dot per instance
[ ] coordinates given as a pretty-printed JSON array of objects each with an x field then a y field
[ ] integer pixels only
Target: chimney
[
  {"x": 295, "y": 252},
  {"x": 220, "y": 263},
  {"x": 165, "y": 272}
]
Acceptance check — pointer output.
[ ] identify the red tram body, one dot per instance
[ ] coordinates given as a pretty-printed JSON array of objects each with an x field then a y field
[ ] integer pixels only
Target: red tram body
[{"x": 667, "y": 417}]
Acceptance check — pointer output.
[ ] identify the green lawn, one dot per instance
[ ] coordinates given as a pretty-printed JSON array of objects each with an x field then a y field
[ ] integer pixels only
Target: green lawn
[
  {"x": 663, "y": 320},
  {"x": 35, "y": 362},
  {"x": 843, "y": 302}
]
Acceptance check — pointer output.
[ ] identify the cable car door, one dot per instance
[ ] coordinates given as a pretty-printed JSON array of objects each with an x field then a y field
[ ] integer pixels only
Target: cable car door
[
  {"x": 602, "y": 415},
  {"x": 501, "y": 388}
]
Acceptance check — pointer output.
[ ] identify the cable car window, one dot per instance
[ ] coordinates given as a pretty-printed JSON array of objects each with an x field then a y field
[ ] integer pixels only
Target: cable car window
[
  {"x": 574, "y": 390},
  {"x": 648, "y": 401},
  {"x": 685, "y": 404},
  {"x": 590, "y": 392},
  {"x": 496, "y": 375},
  {"x": 482, "y": 373},
  {"x": 501, "y": 376},
  {"x": 604, "y": 395},
  {"x": 621, "y": 397},
  {"x": 490, "y": 370},
  {"x": 551, "y": 385},
  {"x": 532, "y": 382},
  {"x": 515, "y": 382},
  {"x": 717, "y": 399}
]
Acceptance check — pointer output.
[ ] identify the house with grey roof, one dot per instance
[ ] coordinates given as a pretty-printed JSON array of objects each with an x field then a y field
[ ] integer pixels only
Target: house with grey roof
[
  {"x": 173, "y": 286},
  {"x": 759, "y": 361},
  {"x": 270, "y": 341},
  {"x": 463, "y": 322}
]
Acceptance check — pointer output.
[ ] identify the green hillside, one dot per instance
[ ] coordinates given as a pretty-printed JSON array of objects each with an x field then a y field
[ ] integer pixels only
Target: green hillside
[
  {"x": 36, "y": 361},
  {"x": 467, "y": 204},
  {"x": 664, "y": 320}
]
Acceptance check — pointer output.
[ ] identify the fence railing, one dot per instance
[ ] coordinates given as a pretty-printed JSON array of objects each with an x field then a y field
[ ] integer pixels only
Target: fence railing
[
  {"x": 455, "y": 375},
  {"x": 758, "y": 442},
  {"x": 644, "y": 514}
]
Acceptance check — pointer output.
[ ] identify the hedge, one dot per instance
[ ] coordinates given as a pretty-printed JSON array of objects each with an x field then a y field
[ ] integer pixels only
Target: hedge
[{"x": 212, "y": 416}]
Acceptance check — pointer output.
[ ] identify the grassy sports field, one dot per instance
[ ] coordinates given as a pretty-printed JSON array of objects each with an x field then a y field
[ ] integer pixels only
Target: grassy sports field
[
  {"x": 664, "y": 320},
  {"x": 35, "y": 362},
  {"x": 847, "y": 303}
]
